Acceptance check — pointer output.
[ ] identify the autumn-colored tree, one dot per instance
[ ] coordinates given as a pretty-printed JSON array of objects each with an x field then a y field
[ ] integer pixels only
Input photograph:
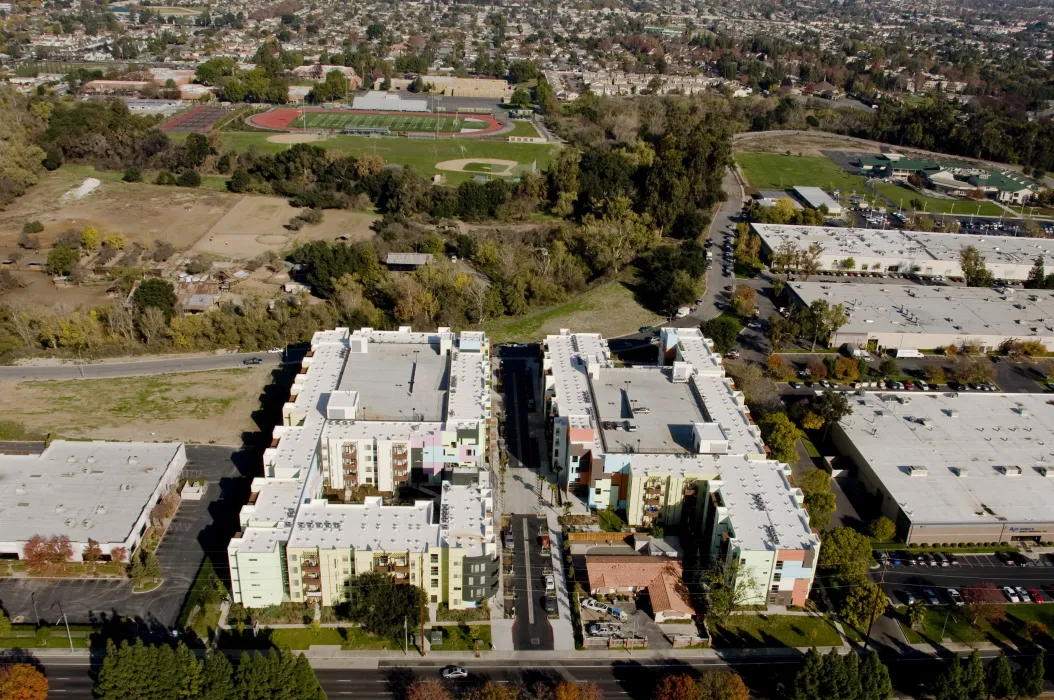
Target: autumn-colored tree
[
  {"x": 678, "y": 687},
  {"x": 577, "y": 691},
  {"x": 722, "y": 685},
  {"x": 22, "y": 682},
  {"x": 494, "y": 691},
  {"x": 984, "y": 601},
  {"x": 817, "y": 370},
  {"x": 35, "y": 551},
  {"x": 92, "y": 551},
  {"x": 779, "y": 369},
  {"x": 846, "y": 369},
  {"x": 427, "y": 689},
  {"x": 119, "y": 554}
]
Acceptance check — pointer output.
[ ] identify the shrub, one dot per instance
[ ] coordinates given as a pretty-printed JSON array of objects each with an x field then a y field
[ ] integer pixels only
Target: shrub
[
  {"x": 32, "y": 227},
  {"x": 198, "y": 264},
  {"x": 189, "y": 178},
  {"x": 29, "y": 241},
  {"x": 165, "y": 178},
  {"x": 132, "y": 174}
]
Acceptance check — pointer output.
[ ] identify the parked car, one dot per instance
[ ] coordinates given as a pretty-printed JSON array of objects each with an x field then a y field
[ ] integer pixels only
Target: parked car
[
  {"x": 1006, "y": 558},
  {"x": 931, "y": 596},
  {"x": 594, "y": 604},
  {"x": 794, "y": 385},
  {"x": 952, "y": 559},
  {"x": 955, "y": 596},
  {"x": 550, "y": 582},
  {"x": 252, "y": 361},
  {"x": 601, "y": 629},
  {"x": 453, "y": 673},
  {"x": 1036, "y": 596},
  {"x": 1023, "y": 595},
  {"x": 275, "y": 351},
  {"x": 909, "y": 597},
  {"x": 620, "y": 615},
  {"x": 732, "y": 354},
  {"x": 643, "y": 410},
  {"x": 1011, "y": 594}
]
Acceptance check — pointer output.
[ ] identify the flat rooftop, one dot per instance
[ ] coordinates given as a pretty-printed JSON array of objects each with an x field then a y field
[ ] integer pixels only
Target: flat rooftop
[
  {"x": 905, "y": 246},
  {"x": 466, "y": 518},
  {"x": 672, "y": 410},
  {"x": 398, "y": 382},
  {"x": 368, "y": 526},
  {"x": 964, "y": 442},
  {"x": 875, "y": 308},
  {"x": 81, "y": 489}
]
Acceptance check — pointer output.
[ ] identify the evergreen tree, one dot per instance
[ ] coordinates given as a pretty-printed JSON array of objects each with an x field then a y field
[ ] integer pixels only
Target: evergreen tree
[
  {"x": 948, "y": 685},
  {"x": 1000, "y": 678},
  {"x": 973, "y": 680},
  {"x": 874, "y": 679},
  {"x": 138, "y": 572},
  {"x": 216, "y": 681},
  {"x": 151, "y": 567},
  {"x": 1037, "y": 275},
  {"x": 832, "y": 676},
  {"x": 850, "y": 689},
  {"x": 188, "y": 670},
  {"x": 1030, "y": 678},
  {"x": 807, "y": 682}
]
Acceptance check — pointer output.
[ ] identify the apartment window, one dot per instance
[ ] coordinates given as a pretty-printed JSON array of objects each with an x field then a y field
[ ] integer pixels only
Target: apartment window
[
  {"x": 742, "y": 562},
  {"x": 779, "y": 565},
  {"x": 346, "y": 571},
  {"x": 457, "y": 575},
  {"x": 435, "y": 584},
  {"x": 295, "y": 570},
  {"x": 435, "y": 558},
  {"x": 598, "y": 492},
  {"x": 775, "y": 589},
  {"x": 435, "y": 570},
  {"x": 777, "y": 576},
  {"x": 292, "y": 557},
  {"x": 344, "y": 558}
]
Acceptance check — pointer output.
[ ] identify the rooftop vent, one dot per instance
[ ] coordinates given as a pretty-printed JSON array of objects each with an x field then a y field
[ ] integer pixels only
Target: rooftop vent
[
  {"x": 1011, "y": 471},
  {"x": 60, "y": 508},
  {"x": 1046, "y": 471},
  {"x": 961, "y": 472},
  {"x": 918, "y": 471}
]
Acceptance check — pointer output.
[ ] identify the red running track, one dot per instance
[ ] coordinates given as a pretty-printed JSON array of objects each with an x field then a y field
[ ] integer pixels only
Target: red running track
[{"x": 279, "y": 120}]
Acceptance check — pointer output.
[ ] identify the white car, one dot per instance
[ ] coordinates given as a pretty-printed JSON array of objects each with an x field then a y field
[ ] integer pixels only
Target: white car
[
  {"x": 601, "y": 629},
  {"x": 453, "y": 673},
  {"x": 955, "y": 596},
  {"x": 593, "y": 604},
  {"x": 275, "y": 351},
  {"x": 1011, "y": 594},
  {"x": 1023, "y": 594},
  {"x": 550, "y": 582}
]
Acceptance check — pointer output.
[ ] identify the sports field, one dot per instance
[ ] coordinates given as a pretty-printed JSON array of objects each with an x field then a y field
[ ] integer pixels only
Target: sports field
[
  {"x": 395, "y": 122},
  {"x": 775, "y": 171}
]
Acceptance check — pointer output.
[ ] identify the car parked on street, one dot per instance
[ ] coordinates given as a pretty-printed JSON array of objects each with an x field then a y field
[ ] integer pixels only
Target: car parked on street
[{"x": 1011, "y": 594}]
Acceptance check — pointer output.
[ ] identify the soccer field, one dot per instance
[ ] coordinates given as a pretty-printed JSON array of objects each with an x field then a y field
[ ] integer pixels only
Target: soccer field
[{"x": 395, "y": 122}]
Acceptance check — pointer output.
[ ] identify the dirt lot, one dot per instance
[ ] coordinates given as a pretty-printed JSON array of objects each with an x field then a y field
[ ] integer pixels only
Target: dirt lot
[
  {"x": 194, "y": 407},
  {"x": 142, "y": 212},
  {"x": 41, "y": 291},
  {"x": 808, "y": 144},
  {"x": 257, "y": 224}
]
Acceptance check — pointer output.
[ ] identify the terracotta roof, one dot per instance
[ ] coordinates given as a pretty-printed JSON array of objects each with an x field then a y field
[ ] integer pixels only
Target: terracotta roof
[{"x": 660, "y": 575}]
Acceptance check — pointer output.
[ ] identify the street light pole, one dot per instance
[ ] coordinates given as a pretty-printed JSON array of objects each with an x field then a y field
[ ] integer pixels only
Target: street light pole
[{"x": 66, "y": 620}]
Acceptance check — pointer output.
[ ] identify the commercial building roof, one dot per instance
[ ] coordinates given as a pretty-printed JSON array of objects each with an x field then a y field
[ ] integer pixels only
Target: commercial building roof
[
  {"x": 400, "y": 381},
  {"x": 815, "y": 197},
  {"x": 82, "y": 489},
  {"x": 927, "y": 311},
  {"x": 412, "y": 259},
  {"x": 959, "y": 458}
]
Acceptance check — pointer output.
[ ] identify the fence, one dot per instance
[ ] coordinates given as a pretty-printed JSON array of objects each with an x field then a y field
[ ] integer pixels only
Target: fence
[{"x": 597, "y": 536}]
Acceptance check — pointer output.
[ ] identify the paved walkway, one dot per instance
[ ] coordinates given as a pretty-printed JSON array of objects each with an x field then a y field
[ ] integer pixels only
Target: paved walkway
[{"x": 563, "y": 629}]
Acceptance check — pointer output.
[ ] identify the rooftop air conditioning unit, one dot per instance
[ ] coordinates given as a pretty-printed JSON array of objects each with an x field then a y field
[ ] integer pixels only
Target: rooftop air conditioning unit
[
  {"x": 1011, "y": 471},
  {"x": 918, "y": 471}
]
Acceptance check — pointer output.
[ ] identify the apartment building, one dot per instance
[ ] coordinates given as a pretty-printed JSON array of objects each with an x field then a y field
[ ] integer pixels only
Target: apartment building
[
  {"x": 672, "y": 444},
  {"x": 368, "y": 412}
]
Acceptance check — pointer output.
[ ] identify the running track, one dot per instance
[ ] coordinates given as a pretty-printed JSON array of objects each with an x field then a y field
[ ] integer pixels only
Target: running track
[{"x": 280, "y": 119}]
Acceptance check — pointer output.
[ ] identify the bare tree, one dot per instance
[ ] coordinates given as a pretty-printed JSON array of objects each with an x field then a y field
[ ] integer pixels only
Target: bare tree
[{"x": 152, "y": 324}]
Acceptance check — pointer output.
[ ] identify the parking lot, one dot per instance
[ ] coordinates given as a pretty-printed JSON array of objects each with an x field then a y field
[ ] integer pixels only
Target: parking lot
[
  {"x": 638, "y": 623},
  {"x": 970, "y": 569},
  {"x": 199, "y": 527}
]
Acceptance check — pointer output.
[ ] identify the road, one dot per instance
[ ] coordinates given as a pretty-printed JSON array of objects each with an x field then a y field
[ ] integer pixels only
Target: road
[
  {"x": 170, "y": 365},
  {"x": 531, "y": 631},
  {"x": 632, "y": 679}
]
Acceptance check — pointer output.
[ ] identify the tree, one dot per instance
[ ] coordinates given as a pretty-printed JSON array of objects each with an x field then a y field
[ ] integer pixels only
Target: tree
[
  {"x": 1037, "y": 276},
  {"x": 22, "y": 682},
  {"x": 973, "y": 267},
  {"x": 90, "y": 238},
  {"x": 521, "y": 98},
  {"x": 917, "y": 615},
  {"x": 92, "y": 551},
  {"x": 381, "y": 605},
  {"x": 882, "y": 529},
  {"x": 810, "y": 673},
  {"x": 151, "y": 567},
  {"x": 132, "y": 174},
  {"x": 5, "y": 624},
  {"x": 32, "y": 227},
  {"x": 1029, "y": 681},
  {"x": 216, "y": 681},
  {"x": 779, "y": 369},
  {"x": 156, "y": 293},
  {"x": 119, "y": 554},
  {"x": 138, "y": 572},
  {"x": 973, "y": 680},
  {"x": 874, "y": 679},
  {"x": 781, "y": 435},
  {"x": 889, "y": 368},
  {"x": 676, "y": 687},
  {"x": 61, "y": 259},
  {"x": 722, "y": 685},
  {"x": 724, "y": 331},
  {"x": 846, "y": 550},
  {"x": 189, "y": 178},
  {"x": 830, "y": 407},
  {"x": 427, "y": 689},
  {"x": 115, "y": 240},
  {"x": 948, "y": 685},
  {"x": 141, "y": 671},
  {"x": 822, "y": 320},
  {"x": 846, "y": 369},
  {"x": 865, "y": 602},
  {"x": 983, "y": 601},
  {"x": 1001, "y": 678},
  {"x": 239, "y": 181},
  {"x": 745, "y": 300},
  {"x": 727, "y": 588}
]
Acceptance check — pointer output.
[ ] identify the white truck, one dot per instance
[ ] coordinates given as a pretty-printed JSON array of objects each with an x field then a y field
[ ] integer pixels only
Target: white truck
[{"x": 683, "y": 311}]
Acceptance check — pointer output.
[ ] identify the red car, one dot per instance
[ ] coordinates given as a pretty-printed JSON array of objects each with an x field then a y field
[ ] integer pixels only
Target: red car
[{"x": 1037, "y": 597}]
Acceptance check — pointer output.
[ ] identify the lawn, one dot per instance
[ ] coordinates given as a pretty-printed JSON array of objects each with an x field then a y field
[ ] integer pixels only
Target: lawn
[
  {"x": 958, "y": 628},
  {"x": 774, "y": 171},
  {"x": 29, "y": 637},
  {"x": 609, "y": 309},
  {"x": 749, "y": 630},
  {"x": 460, "y": 637},
  {"x": 932, "y": 205},
  {"x": 419, "y": 154},
  {"x": 197, "y": 614},
  {"x": 523, "y": 128}
]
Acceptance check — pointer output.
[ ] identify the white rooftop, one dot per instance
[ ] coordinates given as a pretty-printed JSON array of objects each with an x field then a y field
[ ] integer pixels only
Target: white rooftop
[
  {"x": 917, "y": 309},
  {"x": 466, "y": 517},
  {"x": 907, "y": 246},
  {"x": 81, "y": 489},
  {"x": 964, "y": 442},
  {"x": 368, "y": 526}
]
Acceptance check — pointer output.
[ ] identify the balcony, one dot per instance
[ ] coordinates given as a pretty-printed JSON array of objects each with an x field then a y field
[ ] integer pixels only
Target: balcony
[
  {"x": 652, "y": 500},
  {"x": 310, "y": 566},
  {"x": 653, "y": 490},
  {"x": 310, "y": 577}
]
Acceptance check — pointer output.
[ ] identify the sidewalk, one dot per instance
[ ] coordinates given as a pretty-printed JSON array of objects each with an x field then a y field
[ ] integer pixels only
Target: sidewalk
[{"x": 563, "y": 630}]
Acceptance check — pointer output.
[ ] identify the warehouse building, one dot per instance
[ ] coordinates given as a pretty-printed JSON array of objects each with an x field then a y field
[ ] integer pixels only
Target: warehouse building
[
  {"x": 673, "y": 444},
  {"x": 920, "y": 317},
  {"x": 952, "y": 468},
  {"x": 368, "y": 412},
  {"x": 816, "y": 198},
  {"x": 103, "y": 491},
  {"x": 895, "y": 251}
]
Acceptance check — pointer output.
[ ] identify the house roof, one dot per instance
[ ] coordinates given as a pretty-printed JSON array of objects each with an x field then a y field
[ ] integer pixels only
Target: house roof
[{"x": 660, "y": 575}]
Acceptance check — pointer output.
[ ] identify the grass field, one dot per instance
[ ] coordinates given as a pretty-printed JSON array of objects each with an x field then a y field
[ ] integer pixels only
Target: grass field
[
  {"x": 774, "y": 171},
  {"x": 932, "y": 205},
  {"x": 419, "y": 154},
  {"x": 522, "y": 128},
  {"x": 461, "y": 637},
  {"x": 775, "y": 630},
  {"x": 609, "y": 309},
  {"x": 395, "y": 122}
]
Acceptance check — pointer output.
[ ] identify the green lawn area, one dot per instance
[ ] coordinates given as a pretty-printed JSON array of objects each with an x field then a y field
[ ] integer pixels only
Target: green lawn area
[
  {"x": 775, "y": 171},
  {"x": 897, "y": 193},
  {"x": 810, "y": 447},
  {"x": 523, "y": 128},
  {"x": 304, "y": 637},
  {"x": 609, "y": 308},
  {"x": 196, "y": 614},
  {"x": 775, "y": 630},
  {"x": 958, "y": 628},
  {"x": 420, "y": 154},
  {"x": 460, "y": 637},
  {"x": 29, "y": 637}
]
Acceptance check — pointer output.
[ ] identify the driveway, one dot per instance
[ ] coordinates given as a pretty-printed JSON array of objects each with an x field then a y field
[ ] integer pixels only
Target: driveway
[{"x": 199, "y": 528}]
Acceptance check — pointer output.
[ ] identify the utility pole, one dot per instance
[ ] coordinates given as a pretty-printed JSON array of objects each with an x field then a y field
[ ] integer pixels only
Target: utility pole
[
  {"x": 406, "y": 635},
  {"x": 422, "y": 599},
  {"x": 64, "y": 619},
  {"x": 881, "y": 582}
]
